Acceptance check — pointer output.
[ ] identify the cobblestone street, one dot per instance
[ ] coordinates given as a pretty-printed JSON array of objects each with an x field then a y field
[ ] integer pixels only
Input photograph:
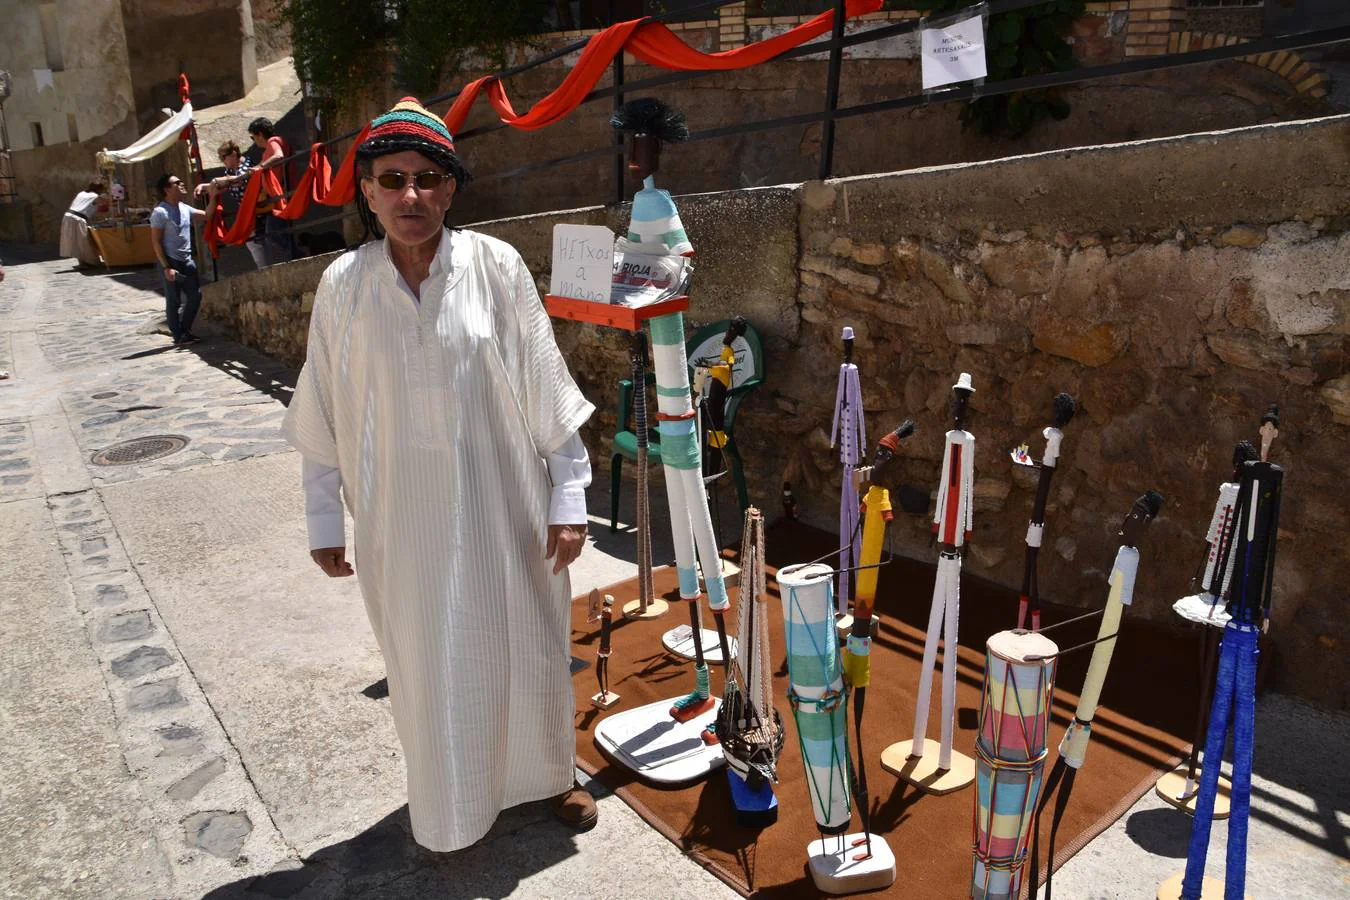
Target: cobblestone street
[{"x": 194, "y": 709}]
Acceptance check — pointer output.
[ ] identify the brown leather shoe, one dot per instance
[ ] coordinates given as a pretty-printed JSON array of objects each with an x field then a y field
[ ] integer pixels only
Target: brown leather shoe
[{"x": 575, "y": 808}]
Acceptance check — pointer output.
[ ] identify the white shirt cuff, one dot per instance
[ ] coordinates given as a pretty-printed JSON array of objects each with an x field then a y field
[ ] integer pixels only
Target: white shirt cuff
[
  {"x": 569, "y": 468},
  {"x": 323, "y": 505}
]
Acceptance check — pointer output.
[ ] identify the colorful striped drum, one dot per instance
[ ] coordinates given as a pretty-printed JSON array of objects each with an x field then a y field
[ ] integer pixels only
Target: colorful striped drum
[
  {"x": 1010, "y": 758},
  {"x": 816, "y": 690}
]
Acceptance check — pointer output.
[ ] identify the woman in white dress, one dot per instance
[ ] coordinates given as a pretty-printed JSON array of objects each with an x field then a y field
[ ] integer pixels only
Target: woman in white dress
[{"x": 75, "y": 240}]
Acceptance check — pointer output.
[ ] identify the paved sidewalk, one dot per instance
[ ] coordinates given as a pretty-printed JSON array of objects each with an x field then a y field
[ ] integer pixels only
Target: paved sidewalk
[{"x": 191, "y": 710}]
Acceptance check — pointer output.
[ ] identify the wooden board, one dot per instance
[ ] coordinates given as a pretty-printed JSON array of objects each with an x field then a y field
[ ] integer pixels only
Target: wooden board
[
  {"x": 1170, "y": 786},
  {"x": 117, "y": 250},
  {"x": 680, "y": 641},
  {"x": 656, "y": 607},
  {"x": 1210, "y": 889},
  {"x": 609, "y": 314},
  {"x": 650, "y": 743},
  {"x": 923, "y": 772}
]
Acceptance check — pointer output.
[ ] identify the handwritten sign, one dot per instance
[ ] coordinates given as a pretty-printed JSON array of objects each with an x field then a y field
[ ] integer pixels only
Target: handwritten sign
[
  {"x": 583, "y": 262},
  {"x": 953, "y": 52}
]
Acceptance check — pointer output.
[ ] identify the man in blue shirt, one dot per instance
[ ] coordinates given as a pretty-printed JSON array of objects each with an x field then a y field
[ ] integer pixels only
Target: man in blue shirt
[{"x": 171, "y": 232}]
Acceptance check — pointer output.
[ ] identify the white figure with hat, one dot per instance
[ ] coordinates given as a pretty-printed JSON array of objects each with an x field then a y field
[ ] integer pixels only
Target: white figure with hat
[{"x": 914, "y": 760}]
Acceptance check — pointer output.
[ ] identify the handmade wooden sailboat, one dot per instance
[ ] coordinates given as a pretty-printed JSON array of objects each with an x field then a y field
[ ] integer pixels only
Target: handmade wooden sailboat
[{"x": 748, "y": 727}]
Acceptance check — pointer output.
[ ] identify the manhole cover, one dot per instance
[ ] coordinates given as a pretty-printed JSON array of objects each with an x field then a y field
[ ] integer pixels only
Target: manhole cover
[{"x": 139, "y": 450}]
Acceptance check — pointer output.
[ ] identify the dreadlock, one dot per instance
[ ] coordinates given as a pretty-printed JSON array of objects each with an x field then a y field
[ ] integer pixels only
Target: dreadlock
[{"x": 649, "y": 116}]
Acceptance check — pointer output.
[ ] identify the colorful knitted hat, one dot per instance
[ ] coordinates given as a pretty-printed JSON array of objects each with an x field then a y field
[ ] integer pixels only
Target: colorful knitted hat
[{"x": 411, "y": 126}]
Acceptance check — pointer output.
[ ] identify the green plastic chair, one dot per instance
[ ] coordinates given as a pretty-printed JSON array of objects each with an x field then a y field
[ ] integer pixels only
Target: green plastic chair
[{"x": 747, "y": 374}]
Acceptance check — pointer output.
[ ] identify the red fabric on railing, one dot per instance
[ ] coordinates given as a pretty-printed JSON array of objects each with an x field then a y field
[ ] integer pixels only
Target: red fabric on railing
[
  {"x": 651, "y": 42},
  {"x": 317, "y": 185},
  {"x": 342, "y": 189},
  {"x": 598, "y": 53},
  {"x": 303, "y": 195}
]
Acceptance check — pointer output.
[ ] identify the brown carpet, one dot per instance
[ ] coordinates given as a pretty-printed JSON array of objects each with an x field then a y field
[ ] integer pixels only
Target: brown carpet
[{"x": 1136, "y": 737}]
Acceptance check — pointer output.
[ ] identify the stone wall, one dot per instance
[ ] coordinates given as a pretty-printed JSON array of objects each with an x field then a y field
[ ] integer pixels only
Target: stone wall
[
  {"x": 210, "y": 40},
  {"x": 82, "y": 49},
  {"x": 1174, "y": 286},
  {"x": 268, "y": 309}
]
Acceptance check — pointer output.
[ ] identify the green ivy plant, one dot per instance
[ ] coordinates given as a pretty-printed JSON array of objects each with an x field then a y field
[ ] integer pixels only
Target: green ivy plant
[
  {"x": 1025, "y": 42},
  {"x": 343, "y": 48},
  {"x": 337, "y": 47}
]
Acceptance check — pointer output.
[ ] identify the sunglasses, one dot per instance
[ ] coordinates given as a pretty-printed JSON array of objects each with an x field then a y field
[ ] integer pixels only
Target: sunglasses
[
  {"x": 425, "y": 181},
  {"x": 174, "y": 183}
]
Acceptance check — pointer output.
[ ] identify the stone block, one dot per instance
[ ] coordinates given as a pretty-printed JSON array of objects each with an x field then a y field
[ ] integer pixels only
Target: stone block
[
  {"x": 1023, "y": 267},
  {"x": 127, "y": 626},
  {"x": 857, "y": 281},
  {"x": 156, "y": 695},
  {"x": 1093, "y": 346},
  {"x": 141, "y": 661},
  {"x": 991, "y": 494},
  {"x": 1243, "y": 236},
  {"x": 1336, "y": 395},
  {"x": 1320, "y": 312},
  {"x": 218, "y": 832},
  {"x": 191, "y": 784},
  {"x": 1248, "y": 351}
]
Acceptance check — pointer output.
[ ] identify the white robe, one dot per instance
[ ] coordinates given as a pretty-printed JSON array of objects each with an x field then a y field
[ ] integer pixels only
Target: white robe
[
  {"x": 75, "y": 239},
  {"x": 440, "y": 415}
]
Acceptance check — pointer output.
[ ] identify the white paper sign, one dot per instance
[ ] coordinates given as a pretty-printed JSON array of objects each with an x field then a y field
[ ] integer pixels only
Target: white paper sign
[
  {"x": 583, "y": 262},
  {"x": 953, "y": 53}
]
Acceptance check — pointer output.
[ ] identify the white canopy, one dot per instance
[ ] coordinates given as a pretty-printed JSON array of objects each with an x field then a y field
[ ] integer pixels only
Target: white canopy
[{"x": 159, "y": 139}]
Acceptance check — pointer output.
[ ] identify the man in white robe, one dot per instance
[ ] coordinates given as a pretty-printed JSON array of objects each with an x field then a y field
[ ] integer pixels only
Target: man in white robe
[{"x": 435, "y": 395}]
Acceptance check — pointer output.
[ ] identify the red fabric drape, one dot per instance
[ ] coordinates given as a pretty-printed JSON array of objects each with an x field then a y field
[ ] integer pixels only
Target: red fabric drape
[
  {"x": 317, "y": 185},
  {"x": 651, "y": 42}
]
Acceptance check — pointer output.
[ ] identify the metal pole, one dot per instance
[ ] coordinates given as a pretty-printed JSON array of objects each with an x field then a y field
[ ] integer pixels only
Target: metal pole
[
  {"x": 832, "y": 92},
  {"x": 618, "y": 104}
]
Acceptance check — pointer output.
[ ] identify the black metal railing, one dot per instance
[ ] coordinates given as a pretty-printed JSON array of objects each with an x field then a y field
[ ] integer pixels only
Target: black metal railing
[{"x": 838, "y": 41}]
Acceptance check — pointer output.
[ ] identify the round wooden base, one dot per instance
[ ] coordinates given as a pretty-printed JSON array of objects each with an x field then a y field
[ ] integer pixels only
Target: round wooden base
[
  {"x": 1210, "y": 889},
  {"x": 680, "y": 642},
  {"x": 1171, "y": 786},
  {"x": 922, "y": 771},
  {"x": 655, "y": 609}
]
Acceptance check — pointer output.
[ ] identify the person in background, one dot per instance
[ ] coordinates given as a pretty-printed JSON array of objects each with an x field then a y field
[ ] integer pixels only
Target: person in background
[
  {"x": 232, "y": 186},
  {"x": 75, "y": 240},
  {"x": 271, "y": 234},
  {"x": 171, "y": 234}
]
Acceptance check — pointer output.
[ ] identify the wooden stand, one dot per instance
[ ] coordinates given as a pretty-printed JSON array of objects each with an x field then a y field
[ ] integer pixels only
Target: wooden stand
[
  {"x": 648, "y": 742},
  {"x": 123, "y": 246},
  {"x": 1210, "y": 889},
  {"x": 656, "y": 608},
  {"x": 605, "y": 700},
  {"x": 1170, "y": 786},
  {"x": 609, "y": 314},
  {"x": 835, "y": 870},
  {"x": 922, "y": 771}
]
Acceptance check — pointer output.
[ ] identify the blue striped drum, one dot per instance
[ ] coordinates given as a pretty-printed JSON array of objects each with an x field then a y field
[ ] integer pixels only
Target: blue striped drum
[{"x": 816, "y": 690}]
